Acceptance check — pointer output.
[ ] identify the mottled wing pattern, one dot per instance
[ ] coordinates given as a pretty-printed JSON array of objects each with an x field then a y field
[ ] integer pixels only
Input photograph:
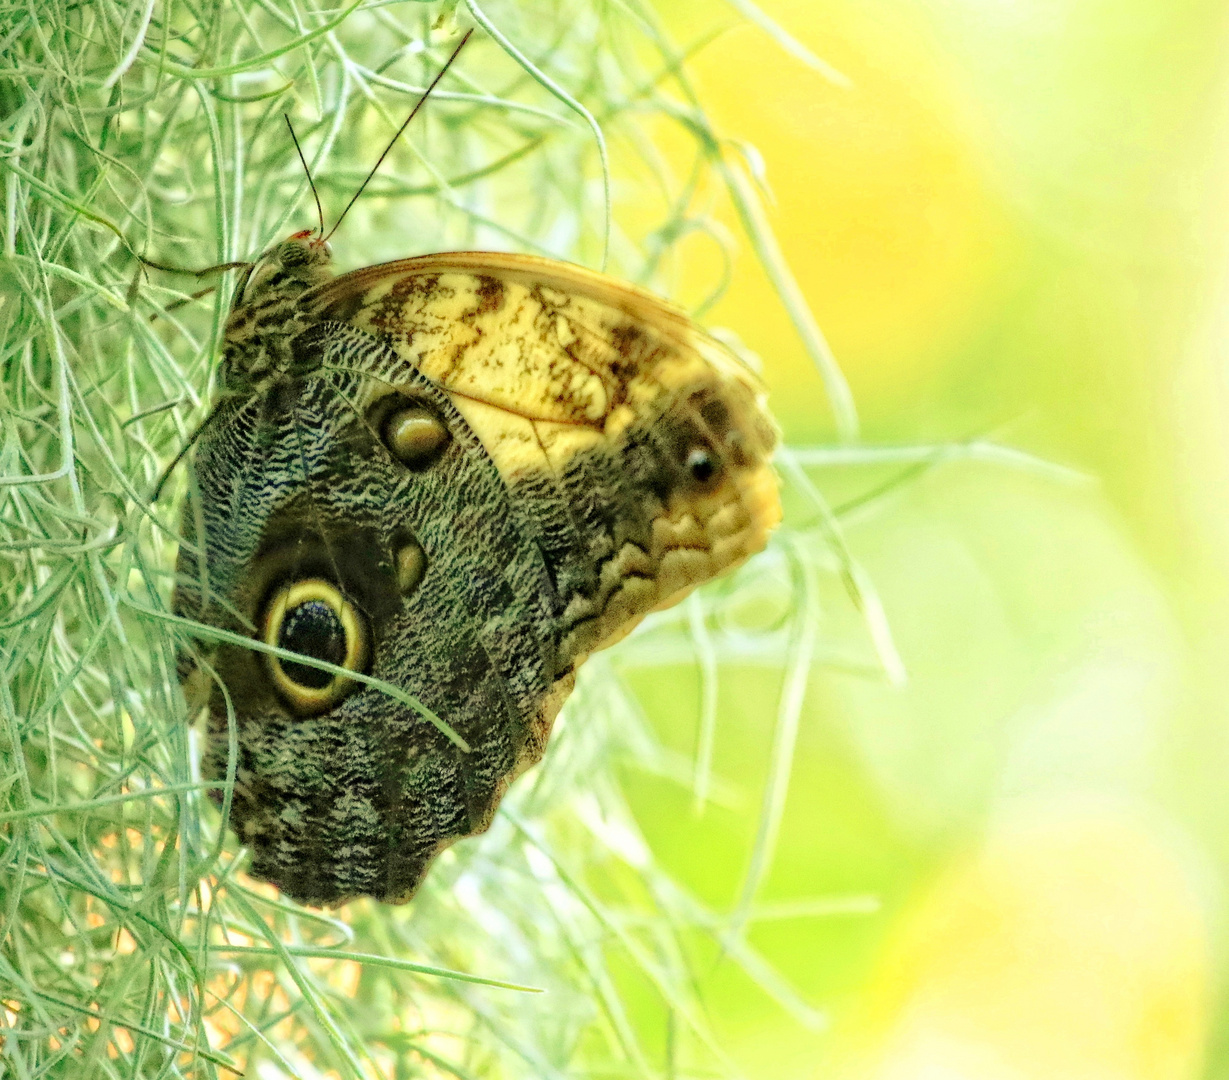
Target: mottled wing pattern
[
  {"x": 294, "y": 484},
  {"x": 490, "y": 464}
]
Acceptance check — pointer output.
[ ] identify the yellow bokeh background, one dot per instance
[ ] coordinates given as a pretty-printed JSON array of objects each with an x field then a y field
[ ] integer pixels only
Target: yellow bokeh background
[{"x": 1010, "y": 223}]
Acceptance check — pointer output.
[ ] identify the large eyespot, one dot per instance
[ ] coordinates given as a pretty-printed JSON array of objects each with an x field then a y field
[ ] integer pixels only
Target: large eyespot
[
  {"x": 413, "y": 434},
  {"x": 313, "y": 618}
]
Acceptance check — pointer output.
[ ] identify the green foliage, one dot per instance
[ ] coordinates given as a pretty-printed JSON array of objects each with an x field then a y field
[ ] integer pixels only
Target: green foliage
[{"x": 133, "y": 944}]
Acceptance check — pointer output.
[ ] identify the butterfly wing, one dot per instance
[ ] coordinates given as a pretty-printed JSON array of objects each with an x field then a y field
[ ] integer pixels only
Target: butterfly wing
[
  {"x": 352, "y": 796},
  {"x": 461, "y": 475},
  {"x": 642, "y": 444}
]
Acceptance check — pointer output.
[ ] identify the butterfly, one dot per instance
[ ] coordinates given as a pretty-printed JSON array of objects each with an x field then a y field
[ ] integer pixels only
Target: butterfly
[{"x": 457, "y": 476}]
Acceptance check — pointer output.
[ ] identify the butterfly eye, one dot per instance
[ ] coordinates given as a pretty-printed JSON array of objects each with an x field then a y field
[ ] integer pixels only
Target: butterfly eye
[
  {"x": 313, "y": 618},
  {"x": 414, "y": 435},
  {"x": 294, "y": 253},
  {"x": 702, "y": 465}
]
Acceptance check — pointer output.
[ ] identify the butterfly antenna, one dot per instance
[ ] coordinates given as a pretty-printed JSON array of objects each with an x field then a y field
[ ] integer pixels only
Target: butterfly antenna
[
  {"x": 310, "y": 182},
  {"x": 413, "y": 112}
]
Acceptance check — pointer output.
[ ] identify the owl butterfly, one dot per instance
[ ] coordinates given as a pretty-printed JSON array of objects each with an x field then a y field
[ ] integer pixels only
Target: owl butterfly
[{"x": 459, "y": 474}]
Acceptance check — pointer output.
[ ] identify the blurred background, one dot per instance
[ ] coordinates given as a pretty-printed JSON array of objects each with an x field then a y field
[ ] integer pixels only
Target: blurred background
[{"x": 1011, "y": 223}]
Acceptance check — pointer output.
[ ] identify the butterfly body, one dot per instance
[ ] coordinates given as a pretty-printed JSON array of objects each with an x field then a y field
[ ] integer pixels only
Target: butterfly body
[{"x": 460, "y": 475}]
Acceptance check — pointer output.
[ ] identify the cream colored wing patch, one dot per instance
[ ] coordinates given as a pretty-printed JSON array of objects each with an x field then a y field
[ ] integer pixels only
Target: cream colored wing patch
[{"x": 542, "y": 358}]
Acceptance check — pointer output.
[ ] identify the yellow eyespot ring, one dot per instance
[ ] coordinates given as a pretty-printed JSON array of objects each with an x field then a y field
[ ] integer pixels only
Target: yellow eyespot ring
[{"x": 312, "y": 617}]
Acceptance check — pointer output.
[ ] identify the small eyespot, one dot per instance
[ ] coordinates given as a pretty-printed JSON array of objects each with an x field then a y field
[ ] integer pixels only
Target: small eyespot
[
  {"x": 411, "y": 563},
  {"x": 702, "y": 465},
  {"x": 414, "y": 435},
  {"x": 313, "y": 618}
]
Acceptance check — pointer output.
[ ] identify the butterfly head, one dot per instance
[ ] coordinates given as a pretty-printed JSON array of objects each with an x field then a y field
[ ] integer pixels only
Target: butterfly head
[
  {"x": 265, "y": 315},
  {"x": 287, "y": 269}
]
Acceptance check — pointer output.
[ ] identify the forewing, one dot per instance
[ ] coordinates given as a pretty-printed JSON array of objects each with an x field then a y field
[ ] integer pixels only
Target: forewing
[
  {"x": 590, "y": 396},
  {"x": 543, "y": 357}
]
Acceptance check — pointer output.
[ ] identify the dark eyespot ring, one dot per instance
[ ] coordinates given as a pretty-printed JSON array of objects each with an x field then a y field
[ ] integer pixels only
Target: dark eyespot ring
[
  {"x": 313, "y": 618},
  {"x": 702, "y": 465},
  {"x": 413, "y": 434}
]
